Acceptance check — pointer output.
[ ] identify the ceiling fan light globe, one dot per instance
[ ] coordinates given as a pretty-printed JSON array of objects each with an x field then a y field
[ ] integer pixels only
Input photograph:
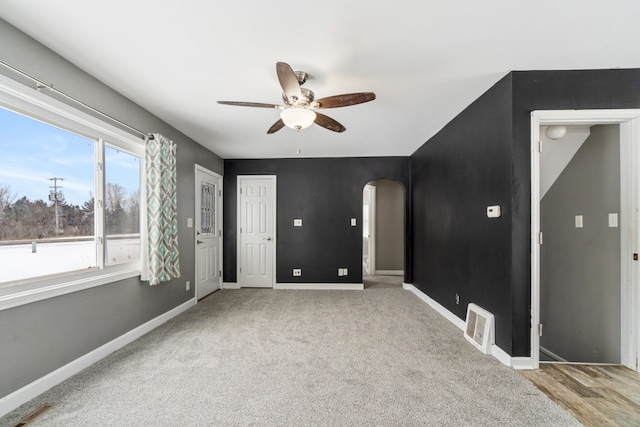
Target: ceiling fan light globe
[{"x": 297, "y": 118}]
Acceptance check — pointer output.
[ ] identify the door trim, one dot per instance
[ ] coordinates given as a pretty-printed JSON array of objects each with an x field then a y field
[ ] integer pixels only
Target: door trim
[
  {"x": 629, "y": 121},
  {"x": 371, "y": 228},
  {"x": 219, "y": 220},
  {"x": 239, "y": 179}
]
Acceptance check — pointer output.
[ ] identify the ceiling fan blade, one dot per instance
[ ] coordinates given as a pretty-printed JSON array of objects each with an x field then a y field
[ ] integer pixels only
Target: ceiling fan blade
[
  {"x": 328, "y": 123},
  {"x": 248, "y": 104},
  {"x": 276, "y": 127},
  {"x": 288, "y": 80},
  {"x": 345, "y": 100}
]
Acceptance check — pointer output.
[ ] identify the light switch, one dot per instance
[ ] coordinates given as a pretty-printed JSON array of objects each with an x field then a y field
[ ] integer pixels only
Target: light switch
[
  {"x": 297, "y": 222},
  {"x": 579, "y": 223},
  {"x": 613, "y": 220},
  {"x": 189, "y": 222},
  {"x": 353, "y": 222},
  {"x": 493, "y": 211}
]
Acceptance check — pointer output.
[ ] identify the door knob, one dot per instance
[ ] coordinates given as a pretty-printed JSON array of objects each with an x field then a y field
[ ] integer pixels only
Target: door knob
[
  {"x": 199, "y": 241},
  {"x": 266, "y": 238}
]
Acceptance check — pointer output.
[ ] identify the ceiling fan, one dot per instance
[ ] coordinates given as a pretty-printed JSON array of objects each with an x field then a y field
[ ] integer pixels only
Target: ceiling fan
[{"x": 299, "y": 103}]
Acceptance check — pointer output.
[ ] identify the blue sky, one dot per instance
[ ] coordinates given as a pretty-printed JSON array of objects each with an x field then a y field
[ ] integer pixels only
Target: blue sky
[{"x": 31, "y": 152}]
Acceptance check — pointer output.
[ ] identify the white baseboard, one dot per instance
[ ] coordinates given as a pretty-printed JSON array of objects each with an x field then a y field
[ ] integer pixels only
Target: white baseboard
[
  {"x": 552, "y": 355},
  {"x": 501, "y": 355},
  {"x": 436, "y": 306},
  {"x": 522, "y": 363},
  {"x": 312, "y": 286},
  {"x": 497, "y": 352},
  {"x": 322, "y": 286},
  {"x": 39, "y": 386},
  {"x": 390, "y": 272}
]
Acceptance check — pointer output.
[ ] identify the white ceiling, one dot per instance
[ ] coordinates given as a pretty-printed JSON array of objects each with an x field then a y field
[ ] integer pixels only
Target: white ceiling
[{"x": 425, "y": 60}]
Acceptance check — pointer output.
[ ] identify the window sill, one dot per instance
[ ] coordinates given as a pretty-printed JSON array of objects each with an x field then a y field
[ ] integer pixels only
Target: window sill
[{"x": 17, "y": 295}]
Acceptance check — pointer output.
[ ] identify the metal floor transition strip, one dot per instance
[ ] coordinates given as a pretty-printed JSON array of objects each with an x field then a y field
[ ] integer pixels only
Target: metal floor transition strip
[{"x": 33, "y": 415}]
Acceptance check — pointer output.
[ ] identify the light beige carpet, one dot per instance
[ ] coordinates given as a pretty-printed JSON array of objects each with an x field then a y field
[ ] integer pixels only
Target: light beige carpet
[{"x": 378, "y": 357}]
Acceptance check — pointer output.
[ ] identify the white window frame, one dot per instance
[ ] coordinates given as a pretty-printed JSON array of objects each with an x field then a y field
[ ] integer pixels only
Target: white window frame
[{"x": 30, "y": 102}]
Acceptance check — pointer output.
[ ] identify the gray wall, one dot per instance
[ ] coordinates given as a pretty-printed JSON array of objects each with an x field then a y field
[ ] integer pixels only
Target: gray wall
[
  {"x": 40, "y": 337},
  {"x": 389, "y": 225},
  {"x": 580, "y": 267}
]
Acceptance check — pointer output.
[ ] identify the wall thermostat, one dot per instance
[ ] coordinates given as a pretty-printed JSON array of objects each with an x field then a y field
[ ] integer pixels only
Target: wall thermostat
[{"x": 493, "y": 211}]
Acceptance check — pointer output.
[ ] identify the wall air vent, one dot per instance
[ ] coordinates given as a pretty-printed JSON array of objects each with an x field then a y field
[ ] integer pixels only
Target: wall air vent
[{"x": 479, "y": 329}]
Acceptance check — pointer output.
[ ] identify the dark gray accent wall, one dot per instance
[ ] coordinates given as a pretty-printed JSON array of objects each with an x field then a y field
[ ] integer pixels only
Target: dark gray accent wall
[
  {"x": 325, "y": 193},
  {"x": 390, "y": 212},
  {"x": 37, "y": 338},
  {"x": 483, "y": 157},
  {"x": 454, "y": 177},
  {"x": 580, "y": 267}
]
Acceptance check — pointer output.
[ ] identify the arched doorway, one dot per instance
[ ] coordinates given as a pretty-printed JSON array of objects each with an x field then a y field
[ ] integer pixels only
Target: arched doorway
[{"x": 383, "y": 214}]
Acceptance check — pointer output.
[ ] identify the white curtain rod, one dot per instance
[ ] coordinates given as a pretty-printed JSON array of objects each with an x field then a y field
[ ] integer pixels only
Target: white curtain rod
[{"x": 41, "y": 85}]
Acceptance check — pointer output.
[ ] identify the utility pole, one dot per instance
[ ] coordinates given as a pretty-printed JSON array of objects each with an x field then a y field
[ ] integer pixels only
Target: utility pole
[{"x": 56, "y": 196}]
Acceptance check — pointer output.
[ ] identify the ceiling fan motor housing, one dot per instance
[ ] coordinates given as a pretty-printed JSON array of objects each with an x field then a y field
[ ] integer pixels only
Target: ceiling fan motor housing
[{"x": 306, "y": 98}]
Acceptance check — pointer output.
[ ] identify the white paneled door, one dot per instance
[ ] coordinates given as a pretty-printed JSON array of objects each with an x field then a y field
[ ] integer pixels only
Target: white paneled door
[
  {"x": 208, "y": 227},
  {"x": 256, "y": 231}
]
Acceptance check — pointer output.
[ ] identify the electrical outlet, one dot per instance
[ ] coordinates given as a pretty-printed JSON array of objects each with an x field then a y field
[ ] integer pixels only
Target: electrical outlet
[
  {"x": 188, "y": 285},
  {"x": 297, "y": 272},
  {"x": 457, "y": 299}
]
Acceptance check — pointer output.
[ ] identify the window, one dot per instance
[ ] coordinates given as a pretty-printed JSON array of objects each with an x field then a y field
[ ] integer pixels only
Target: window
[
  {"x": 208, "y": 209},
  {"x": 70, "y": 195},
  {"x": 122, "y": 206}
]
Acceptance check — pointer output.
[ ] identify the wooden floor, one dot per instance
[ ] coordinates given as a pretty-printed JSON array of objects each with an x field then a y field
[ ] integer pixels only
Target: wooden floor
[{"x": 596, "y": 395}]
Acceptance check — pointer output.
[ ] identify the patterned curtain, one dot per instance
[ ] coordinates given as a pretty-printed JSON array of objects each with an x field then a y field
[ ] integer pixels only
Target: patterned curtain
[{"x": 162, "y": 214}]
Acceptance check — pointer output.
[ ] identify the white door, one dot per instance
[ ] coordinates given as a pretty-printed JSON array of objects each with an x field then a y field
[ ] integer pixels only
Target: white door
[
  {"x": 208, "y": 232},
  {"x": 256, "y": 231}
]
